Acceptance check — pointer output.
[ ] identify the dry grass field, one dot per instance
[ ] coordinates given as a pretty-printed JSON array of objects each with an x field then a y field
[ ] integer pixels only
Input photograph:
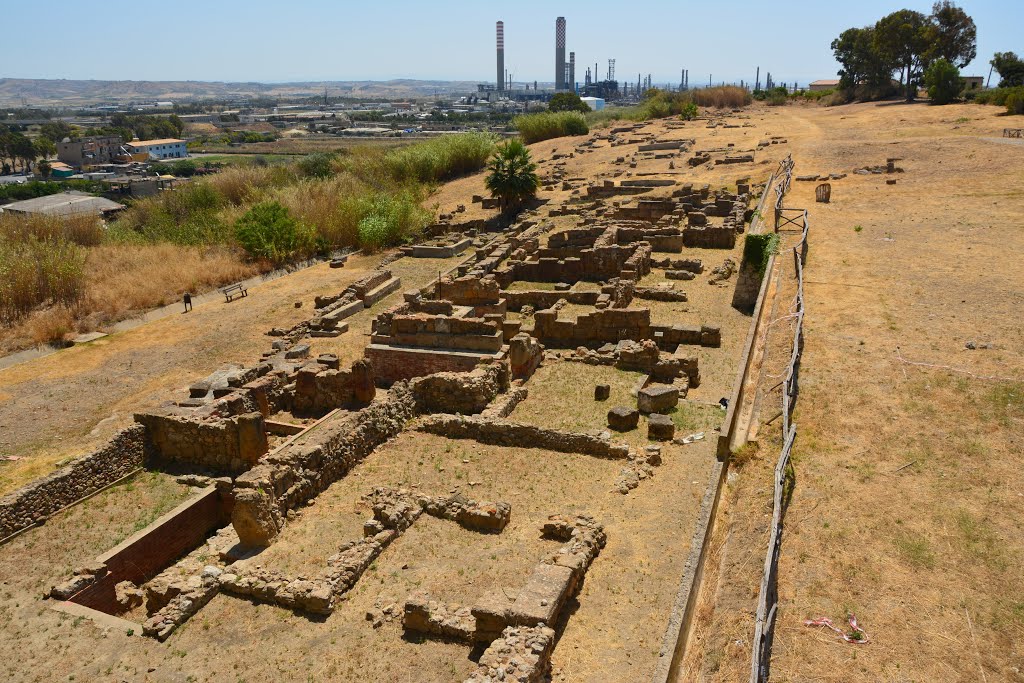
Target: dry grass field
[{"x": 908, "y": 490}]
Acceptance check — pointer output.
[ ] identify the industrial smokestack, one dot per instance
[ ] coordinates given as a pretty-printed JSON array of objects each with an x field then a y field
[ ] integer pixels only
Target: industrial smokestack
[
  {"x": 560, "y": 53},
  {"x": 572, "y": 71},
  {"x": 501, "y": 55}
]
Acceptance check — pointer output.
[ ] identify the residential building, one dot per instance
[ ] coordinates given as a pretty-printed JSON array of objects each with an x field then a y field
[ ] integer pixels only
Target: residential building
[
  {"x": 824, "y": 84},
  {"x": 155, "y": 150},
  {"x": 972, "y": 82},
  {"x": 101, "y": 149}
]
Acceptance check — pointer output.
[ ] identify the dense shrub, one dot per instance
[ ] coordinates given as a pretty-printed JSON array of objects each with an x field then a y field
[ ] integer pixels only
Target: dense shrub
[
  {"x": 318, "y": 165},
  {"x": 389, "y": 220},
  {"x": 1011, "y": 98},
  {"x": 943, "y": 82},
  {"x": 34, "y": 272},
  {"x": 1015, "y": 103},
  {"x": 445, "y": 157},
  {"x": 721, "y": 97},
  {"x": 268, "y": 232},
  {"x": 567, "y": 101},
  {"x": 547, "y": 125},
  {"x": 83, "y": 230}
]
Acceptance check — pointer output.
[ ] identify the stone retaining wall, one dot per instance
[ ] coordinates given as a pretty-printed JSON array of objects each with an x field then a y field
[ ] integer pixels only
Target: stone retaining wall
[
  {"x": 123, "y": 454},
  {"x": 287, "y": 478},
  {"x": 505, "y": 433}
]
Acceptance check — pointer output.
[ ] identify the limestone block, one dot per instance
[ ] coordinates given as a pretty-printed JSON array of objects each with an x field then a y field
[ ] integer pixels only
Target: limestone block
[
  {"x": 542, "y": 597},
  {"x": 623, "y": 419},
  {"x": 657, "y": 398},
  {"x": 660, "y": 427},
  {"x": 255, "y": 517}
]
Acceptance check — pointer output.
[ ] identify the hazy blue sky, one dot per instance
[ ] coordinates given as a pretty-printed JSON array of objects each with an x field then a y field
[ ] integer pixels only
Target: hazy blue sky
[{"x": 255, "y": 40}]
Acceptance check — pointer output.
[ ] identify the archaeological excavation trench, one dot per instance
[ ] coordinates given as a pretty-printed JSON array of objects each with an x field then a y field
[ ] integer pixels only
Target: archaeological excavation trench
[{"x": 512, "y": 468}]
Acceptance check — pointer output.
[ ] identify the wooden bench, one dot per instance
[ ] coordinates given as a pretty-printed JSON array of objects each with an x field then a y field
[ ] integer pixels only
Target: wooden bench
[{"x": 233, "y": 291}]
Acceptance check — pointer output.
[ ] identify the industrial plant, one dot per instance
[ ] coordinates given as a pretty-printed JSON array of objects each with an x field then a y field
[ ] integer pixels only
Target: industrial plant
[{"x": 595, "y": 86}]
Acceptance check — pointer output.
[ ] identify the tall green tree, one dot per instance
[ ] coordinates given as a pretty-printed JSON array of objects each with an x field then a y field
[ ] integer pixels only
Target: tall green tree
[
  {"x": 55, "y": 131},
  {"x": 860, "y": 62},
  {"x": 1010, "y": 68},
  {"x": 513, "y": 175},
  {"x": 904, "y": 38},
  {"x": 955, "y": 36},
  {"x": 567, "y": 101},
  {"x": 943, "y": 81}
]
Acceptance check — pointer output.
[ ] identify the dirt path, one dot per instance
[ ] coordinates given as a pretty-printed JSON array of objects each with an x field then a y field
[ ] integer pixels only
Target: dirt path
[
  {"x": 65, "y": 404},
  {"x": 908, "y": 498}
]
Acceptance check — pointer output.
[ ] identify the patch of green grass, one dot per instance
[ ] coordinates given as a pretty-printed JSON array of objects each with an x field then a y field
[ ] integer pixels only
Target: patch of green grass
[
  {"x": 915, "y": 549},
  {"x": 980, "y": 540}
]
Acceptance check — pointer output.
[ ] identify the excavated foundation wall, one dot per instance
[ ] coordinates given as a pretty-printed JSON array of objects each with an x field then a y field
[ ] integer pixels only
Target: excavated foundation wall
[{"x": 146, "y": 554}]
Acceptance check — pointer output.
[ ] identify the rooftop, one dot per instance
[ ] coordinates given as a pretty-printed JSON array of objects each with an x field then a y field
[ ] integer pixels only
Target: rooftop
[
  {"x": 150, "y": 143},
  {"x": 64, "y": 204}
]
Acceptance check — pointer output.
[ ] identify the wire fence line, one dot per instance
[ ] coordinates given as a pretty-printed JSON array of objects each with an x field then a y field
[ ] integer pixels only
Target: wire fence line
[{"x": 767, "y": 602}]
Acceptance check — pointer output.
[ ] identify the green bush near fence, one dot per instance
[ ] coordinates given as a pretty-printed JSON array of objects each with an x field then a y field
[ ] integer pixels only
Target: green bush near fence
[{"x": 758, "y": 249}]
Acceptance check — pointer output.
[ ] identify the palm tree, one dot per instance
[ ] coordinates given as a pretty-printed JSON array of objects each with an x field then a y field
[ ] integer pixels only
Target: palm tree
[{"x": 513, "y": 176}]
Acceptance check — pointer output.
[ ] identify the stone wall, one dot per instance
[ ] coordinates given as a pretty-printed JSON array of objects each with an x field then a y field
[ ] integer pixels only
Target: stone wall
[
  {"x": 505, "y": 433},
  {"x": 542, "y": 298},
  {"x": 319, "y": 389},
  {"x": 393, "y": 363},
  {"x": 287, "y": 478},
  {"x": 469, "y": 291},
  {"x": 122, "y": 455},
  {"x": 612, "y": 325},
  {"x": 465, "y": 393},
  {"x": 223, "y": 445},
  {"x": 710, "y": 237}
]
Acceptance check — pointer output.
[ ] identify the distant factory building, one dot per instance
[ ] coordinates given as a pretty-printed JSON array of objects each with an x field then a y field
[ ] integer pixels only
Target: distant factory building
[
  {"x": 155, "y": 150},
  {"x": 64, "y": 204},
  {"x": 595, "y": 103}
]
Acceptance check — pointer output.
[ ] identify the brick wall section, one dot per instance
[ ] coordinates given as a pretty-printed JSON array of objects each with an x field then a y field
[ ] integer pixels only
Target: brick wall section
[
  {"x": 124, "y": 453},
  {"x": 146, "y": 554}
]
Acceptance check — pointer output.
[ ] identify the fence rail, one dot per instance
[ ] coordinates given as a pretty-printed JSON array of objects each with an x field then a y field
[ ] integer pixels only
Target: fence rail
[{"x": 767, "y": 603}]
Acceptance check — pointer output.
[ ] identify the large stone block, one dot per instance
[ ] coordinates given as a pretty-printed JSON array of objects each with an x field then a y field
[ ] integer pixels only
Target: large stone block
[
  {"x": 542, "y": 597},
  {"x": 660, "y": 427},
  {"x": 623, "y": 419},
  {"x": 657, "y": 398}
]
